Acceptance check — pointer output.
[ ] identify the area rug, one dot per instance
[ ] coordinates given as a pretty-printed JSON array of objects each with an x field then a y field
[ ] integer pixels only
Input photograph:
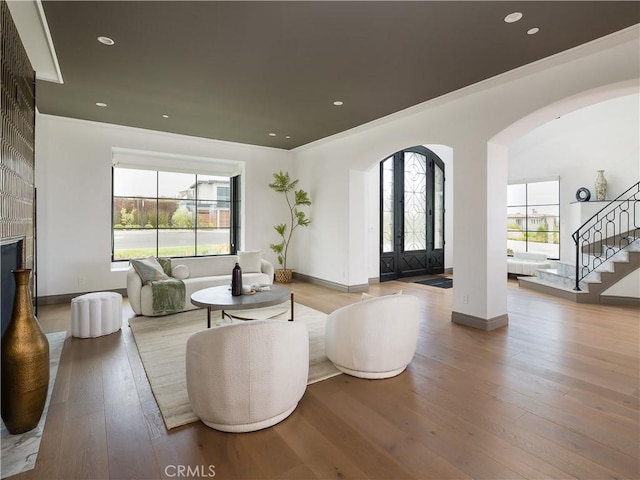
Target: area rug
[
  {"x": 439, "y": 282},
  {"x": 162, "y": 342},
  {"x": 19, "y": 452}
]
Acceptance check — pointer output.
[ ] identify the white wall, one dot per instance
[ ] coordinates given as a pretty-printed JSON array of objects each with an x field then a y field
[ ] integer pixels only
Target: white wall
[
  {"x": 467, "y": 121},
  {"x": 73, "y": 180},
  {"x": 572, "y": 147},
  {"x": 73, "y": 177}
]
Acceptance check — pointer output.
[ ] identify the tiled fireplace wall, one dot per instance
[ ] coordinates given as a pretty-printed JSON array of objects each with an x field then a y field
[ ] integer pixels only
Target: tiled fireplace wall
[{"x": 17, "y": 166}]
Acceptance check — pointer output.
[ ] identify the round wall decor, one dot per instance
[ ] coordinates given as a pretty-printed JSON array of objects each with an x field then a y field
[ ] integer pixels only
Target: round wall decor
[{"x": 583, "y": 194}]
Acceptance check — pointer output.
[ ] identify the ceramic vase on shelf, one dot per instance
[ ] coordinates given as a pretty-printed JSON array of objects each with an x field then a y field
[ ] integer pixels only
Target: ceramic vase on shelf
[
  {"x": 25, "y": 362},
  {"x": 601, "y": 186}
]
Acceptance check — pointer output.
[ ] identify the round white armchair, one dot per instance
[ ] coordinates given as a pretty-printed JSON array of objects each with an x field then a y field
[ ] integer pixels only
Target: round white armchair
[
  {"x": 247, "y": 376},
  {"x": 374, "y": 338}
]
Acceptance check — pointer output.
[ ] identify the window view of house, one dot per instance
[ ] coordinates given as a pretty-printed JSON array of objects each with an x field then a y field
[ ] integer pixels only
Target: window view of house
[
  {"x": 533, "y": 218},
  {"x": 169, "y": 214}
]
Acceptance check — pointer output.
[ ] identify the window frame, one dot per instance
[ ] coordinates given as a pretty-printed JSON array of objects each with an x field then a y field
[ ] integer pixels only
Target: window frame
[
  {"x": 529, "y": 227},
  {"x": 234, "y": 206}
]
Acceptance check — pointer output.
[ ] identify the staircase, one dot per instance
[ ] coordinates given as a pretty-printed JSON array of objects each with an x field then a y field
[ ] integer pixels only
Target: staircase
[{"x": 607, "y": 250}]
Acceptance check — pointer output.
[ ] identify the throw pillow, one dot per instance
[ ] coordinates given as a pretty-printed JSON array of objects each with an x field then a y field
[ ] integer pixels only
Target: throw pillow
[
  {"x": 149, "y": 269},
  {"x": 166, "y": 265},
  {"x": 181, "y": 272},
  {"x": 250, "y": 262}
]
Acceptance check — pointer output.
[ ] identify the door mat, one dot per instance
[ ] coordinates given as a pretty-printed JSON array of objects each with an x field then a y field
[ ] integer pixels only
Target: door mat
[{"x": 438, "y": 282}]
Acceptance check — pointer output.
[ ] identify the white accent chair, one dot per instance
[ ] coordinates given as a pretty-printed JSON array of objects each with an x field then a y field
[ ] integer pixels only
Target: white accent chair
[
  {"x": 247, "y": 376},
  {"x": 374, "y": 338}
]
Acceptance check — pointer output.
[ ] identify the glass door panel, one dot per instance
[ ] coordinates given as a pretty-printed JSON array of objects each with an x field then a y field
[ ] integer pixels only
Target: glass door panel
[
  {"x": 438, "y": 208},
  {"x": 387, "y": 206},
  {"x": 415, "y": 195}
]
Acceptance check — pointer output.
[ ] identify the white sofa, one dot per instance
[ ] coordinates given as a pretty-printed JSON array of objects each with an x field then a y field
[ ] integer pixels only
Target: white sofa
[
  {"x": 247, "y": 376},
  {"x": 527, "y": 263},
  {"x": 198, "y": 273},
  {"x": 374, "y": 338}
]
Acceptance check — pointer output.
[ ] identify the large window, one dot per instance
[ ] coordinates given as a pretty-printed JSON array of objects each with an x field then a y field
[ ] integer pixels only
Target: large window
[
  {"x": 171, "y": 214},
  {"x": 533, "y": 217}
]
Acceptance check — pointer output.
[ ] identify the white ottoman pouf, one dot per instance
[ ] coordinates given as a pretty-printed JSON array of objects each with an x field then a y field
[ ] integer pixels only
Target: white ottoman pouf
[{"x": 96, "y": 314}]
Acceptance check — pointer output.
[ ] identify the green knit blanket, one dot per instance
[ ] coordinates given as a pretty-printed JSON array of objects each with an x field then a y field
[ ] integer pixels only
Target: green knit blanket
[{"x": 168, "y": 296}]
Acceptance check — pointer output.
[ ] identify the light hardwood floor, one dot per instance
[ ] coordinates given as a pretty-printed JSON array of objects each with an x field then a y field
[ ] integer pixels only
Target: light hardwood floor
[{"x": 554, "y": 395}]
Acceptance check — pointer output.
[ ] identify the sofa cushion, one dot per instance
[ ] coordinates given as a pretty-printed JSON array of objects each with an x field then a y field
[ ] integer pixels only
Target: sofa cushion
[
  {"x": 250, "y": 262},
  {"x": 533, "y": 256},
  {"x": 256, "y": 279},
  {"x": 208, "y": 266},
  {"x": 193, "y": 284},
  {"x": 149, "y": 269}
]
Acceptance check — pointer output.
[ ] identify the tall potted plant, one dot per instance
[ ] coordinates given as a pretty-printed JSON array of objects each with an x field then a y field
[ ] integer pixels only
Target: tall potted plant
[{"x": 295, "y": 198}]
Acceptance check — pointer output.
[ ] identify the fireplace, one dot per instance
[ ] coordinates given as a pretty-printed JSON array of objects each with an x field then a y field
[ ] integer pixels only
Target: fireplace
[{"x": 11, "y": 250}]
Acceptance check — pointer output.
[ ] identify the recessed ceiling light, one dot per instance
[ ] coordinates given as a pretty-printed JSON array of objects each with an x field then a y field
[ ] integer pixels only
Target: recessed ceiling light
[
  {"x": 106, "y": 41},
  {"x": 337, "y": 103},
  {"x": 101, "y": 104},
  {"x": 288, "y": 136},
  {"x": 533, "y": 31},
  {"x": 513, "y": 17},
  {"x": 164, "y": 115},
  {"x": 272, "y": 134}
]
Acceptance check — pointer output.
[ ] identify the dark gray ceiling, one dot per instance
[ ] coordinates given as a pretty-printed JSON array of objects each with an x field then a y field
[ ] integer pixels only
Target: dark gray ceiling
[{"x": 240, "y": 70}]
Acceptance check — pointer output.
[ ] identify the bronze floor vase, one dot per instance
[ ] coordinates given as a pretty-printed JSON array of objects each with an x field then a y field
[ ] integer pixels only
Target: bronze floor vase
[{"x": 25, "y": 362}]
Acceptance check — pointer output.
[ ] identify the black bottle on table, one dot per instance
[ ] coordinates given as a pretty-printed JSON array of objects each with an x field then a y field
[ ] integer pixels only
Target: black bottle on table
[{"x": 236, "y": 281}]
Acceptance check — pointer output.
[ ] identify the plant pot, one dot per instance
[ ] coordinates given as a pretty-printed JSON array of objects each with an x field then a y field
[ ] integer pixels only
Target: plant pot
[{"x": 284, "y": 275}]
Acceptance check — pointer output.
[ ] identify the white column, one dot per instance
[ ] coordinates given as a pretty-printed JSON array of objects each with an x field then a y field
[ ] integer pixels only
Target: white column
[
  {"x": 480, "y": 244},
  {"x": 358, "y": 279}
]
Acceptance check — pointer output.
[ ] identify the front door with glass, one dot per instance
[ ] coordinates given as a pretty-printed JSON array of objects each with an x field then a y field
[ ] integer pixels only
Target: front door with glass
[{"x": 411, "y": 214}]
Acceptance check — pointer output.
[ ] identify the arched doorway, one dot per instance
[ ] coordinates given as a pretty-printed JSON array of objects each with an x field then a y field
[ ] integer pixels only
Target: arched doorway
[{"x": 411, "y": 214}]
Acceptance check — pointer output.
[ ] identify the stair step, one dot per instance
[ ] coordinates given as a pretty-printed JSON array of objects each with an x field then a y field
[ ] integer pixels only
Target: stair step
[
  {"x": 556, "y": 277},
  {"x": 568, "y": 292},
  {"x": 612, "y": 255},
  {"x": 569, "y": 271},
  {"x": 560, "y": 281}
]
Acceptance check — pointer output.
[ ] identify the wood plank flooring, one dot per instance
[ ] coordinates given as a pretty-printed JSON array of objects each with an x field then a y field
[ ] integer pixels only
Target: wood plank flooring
[{"x": 554, "y": 395}]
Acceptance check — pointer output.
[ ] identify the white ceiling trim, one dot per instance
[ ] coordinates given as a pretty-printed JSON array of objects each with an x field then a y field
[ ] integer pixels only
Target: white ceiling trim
[
  {"x": 148, "y": 160},
  {"x": 30, "y": 20}
]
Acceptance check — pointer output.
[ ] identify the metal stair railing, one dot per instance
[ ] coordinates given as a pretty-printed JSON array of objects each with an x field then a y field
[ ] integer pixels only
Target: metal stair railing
[{"x": 612, "y": 229}]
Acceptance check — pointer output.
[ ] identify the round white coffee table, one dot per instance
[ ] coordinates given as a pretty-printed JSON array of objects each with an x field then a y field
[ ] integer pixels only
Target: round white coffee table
[{"x": 220, "y": 298}]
